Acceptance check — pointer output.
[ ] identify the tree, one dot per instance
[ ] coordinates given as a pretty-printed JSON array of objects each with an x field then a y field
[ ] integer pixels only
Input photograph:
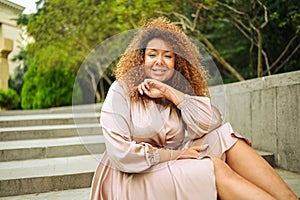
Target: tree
[
  {"x": 52, "y": 87},
  {"x": 207, "y": 19},
  {"x": 282, "y": 36},
  {"x": 191, "y": 25},
  {"x": 246, "y": 38},
  {"x": 66, "y": 32}
]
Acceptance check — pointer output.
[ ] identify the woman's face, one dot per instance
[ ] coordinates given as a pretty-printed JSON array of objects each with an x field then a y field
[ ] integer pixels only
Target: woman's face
[{"x": 159, "y": 60}]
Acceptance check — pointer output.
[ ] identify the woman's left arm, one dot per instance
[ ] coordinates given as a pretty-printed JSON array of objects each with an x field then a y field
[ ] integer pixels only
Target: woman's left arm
[{"x": 199, "y": 115}]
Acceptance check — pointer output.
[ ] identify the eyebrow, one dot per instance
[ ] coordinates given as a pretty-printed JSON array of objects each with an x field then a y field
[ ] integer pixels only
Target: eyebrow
[{"x": 153, "y": 49}]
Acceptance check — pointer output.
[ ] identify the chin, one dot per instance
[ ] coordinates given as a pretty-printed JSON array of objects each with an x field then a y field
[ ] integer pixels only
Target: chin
[{"x": 160, "y": 79}]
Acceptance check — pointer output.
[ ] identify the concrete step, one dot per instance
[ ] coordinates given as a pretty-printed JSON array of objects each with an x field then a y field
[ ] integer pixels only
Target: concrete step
[
  {"x": 49, "y": 148},
  {"x": 49, "y": 119},
  {"x": 48, "y": 131},
  {"x": 64, "y": 173},
  {"x": 268, "y": 156},
  {"x": 44, "y": 175},
  {"x": 84, "y": 193},
  {"x": 292, "y": 179},
  {"x": 55, "y": 110},
  {"x": 44, "y": 151}
]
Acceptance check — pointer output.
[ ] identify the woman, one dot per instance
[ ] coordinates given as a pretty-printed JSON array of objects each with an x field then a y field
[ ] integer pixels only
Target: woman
[{"x": 161, "y": 94}]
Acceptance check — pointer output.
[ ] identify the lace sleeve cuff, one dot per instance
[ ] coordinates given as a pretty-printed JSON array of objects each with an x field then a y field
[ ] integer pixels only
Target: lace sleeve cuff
[{"x": 154, "y": 157}]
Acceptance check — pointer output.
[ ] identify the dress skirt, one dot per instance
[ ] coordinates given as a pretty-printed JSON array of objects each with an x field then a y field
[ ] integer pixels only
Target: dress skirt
[{"x": 177, "y": 179}]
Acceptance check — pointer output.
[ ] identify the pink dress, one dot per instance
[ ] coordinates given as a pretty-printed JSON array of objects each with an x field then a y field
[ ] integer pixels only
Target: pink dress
[{"x": 137, "y": 135}]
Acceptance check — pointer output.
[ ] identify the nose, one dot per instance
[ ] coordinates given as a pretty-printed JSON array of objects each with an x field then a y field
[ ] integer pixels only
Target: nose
[{"x": 159, "y": 60}]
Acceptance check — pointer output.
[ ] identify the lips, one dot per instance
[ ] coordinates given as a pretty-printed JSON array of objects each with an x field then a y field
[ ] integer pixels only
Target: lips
[{"x": 159, "y": 71}]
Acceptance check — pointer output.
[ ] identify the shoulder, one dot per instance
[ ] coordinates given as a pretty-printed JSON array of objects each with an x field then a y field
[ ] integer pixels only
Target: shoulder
[
  {"x": 117, "y": 86},
  {"x": 117, "y": 90}
]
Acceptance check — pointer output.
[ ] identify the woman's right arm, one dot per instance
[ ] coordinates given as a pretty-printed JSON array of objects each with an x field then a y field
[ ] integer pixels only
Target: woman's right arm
[{"x": 125, "y": 154}]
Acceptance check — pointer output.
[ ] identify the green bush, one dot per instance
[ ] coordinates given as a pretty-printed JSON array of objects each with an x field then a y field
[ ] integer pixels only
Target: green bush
[
  {"x": 50, "y": 88},
  {"x": 9, "y": 99}
]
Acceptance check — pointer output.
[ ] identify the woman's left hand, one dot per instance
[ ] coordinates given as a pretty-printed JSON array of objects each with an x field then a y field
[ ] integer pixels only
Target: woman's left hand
[{"x": 153, "y": 88}]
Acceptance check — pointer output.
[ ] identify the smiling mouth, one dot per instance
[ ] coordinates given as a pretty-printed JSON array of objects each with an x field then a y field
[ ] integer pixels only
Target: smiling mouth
[{"x": 159, "y": 71}]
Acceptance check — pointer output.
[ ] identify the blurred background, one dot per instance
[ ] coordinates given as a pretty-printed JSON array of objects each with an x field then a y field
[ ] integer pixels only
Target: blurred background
[{"x": 43, "y": 43}]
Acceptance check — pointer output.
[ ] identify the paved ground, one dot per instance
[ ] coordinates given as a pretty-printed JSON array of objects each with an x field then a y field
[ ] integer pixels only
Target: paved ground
[{"x": 83, "y": 194}]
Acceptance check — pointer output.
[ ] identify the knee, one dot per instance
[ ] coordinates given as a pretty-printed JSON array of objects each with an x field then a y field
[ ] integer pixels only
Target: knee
[{"x": 222, "y": 171}]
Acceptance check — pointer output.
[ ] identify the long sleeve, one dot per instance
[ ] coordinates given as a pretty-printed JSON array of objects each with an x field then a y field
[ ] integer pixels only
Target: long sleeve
[
  {"x": 199, "y": 115},
  {"x": 126, "y": 154}
]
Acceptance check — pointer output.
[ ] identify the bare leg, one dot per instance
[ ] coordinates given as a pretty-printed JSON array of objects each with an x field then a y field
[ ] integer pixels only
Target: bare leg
[
  {"x": 232, "y": 186},
  {"x": 249, "y": 164}
]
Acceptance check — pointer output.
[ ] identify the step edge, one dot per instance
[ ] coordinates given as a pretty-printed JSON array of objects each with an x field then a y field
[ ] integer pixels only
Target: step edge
[
  {"x": 51, "y": 142},
  {"x": 50, "y": 163},
  {"x": 49, "y": 127}
]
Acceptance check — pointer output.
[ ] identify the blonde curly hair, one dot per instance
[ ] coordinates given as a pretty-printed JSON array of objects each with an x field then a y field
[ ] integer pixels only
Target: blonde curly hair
[{"x": 189, "y": 75}]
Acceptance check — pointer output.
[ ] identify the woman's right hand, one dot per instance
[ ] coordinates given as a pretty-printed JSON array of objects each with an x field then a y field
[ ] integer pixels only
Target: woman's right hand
[
  {"x": 193, "y": 152},
  {"x": 156, "y": 89},
  {"x": 153, "y": 88}
]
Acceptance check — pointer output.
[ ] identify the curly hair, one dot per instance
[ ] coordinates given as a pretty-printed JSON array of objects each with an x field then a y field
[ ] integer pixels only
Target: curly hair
[{"x": 189, "y": 75}]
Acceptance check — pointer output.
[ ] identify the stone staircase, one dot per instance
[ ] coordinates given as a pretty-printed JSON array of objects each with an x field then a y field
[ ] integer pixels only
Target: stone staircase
[{"x": 50, "y": 150}]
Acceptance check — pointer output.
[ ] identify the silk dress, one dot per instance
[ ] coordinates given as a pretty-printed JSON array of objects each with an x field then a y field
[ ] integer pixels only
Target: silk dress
[{"x": 138, "y": 135}]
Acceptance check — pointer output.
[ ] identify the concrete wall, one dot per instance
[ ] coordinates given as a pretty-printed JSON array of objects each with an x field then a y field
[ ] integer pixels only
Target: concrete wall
[{"x": 267, "y": 111}]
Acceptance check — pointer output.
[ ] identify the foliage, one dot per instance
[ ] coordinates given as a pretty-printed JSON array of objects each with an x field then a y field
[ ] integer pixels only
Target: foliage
[
  {"x": 50, "y": 78},
  {"x": 44, "y": 89},
  {"x": 256, "y": 38},
  {"x": 283, "y": 35},
  {"x": 9, "y": 99},
  {"x": 65, "y": 32},
  {"x": 246, "y": 38}
]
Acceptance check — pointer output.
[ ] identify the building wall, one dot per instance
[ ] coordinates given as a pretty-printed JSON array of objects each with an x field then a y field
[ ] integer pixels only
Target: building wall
[
  {"x": 267, "y": 111},
  {"x": 9, "y": 29}
]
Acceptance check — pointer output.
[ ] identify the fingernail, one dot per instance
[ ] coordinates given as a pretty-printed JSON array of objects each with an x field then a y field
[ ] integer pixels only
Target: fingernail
[{"x": 205, "y": 146}]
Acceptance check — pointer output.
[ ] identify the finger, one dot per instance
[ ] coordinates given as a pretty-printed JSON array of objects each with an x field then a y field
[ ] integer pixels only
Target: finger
[
  {"x": 187, "y": 157},
  {"x": 140, "y": 89},
  {"x": 151, "y": 82},
  {"x": 146, "y": 82},
  {"x": 196, "y": 148},
  {"x": 204, "y": 147},
  {"x": 143, "y": 87},
  {"x": 201, "y": 148}
]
